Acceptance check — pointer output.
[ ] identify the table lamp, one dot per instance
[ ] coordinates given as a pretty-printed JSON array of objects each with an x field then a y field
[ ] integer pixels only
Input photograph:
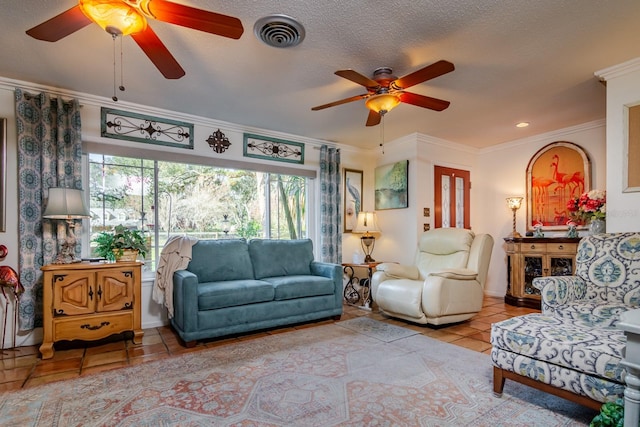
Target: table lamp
[
  {"x": 514, "y": 204},
  {"x": 66, "y": 204},
  {"x": 367, "y": 224}
]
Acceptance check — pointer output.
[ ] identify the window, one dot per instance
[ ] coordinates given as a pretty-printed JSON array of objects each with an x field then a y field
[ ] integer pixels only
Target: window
[{"x": 165, "y": 198}]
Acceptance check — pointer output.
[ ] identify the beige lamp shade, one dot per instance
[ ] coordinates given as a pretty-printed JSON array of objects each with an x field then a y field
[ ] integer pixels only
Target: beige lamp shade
[
  {"x": 367, "y": 223},
  {"x": 65, "y": 203}
]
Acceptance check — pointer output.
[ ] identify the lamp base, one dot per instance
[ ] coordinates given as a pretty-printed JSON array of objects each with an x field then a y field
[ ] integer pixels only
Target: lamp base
[
  {"x": 368, "y": 242},
  {"x": 515, "y": 235},
  {"x": 67, "y": 251}
]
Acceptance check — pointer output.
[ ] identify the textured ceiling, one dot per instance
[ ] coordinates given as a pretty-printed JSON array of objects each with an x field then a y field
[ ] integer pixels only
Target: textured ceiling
[{"x": 516, "y": 60}]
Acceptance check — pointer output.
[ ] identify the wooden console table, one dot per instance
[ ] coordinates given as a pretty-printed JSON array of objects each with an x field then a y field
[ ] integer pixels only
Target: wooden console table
[
  {"x": 530, "y": 257},
  {"x": 90, "y": 301}
]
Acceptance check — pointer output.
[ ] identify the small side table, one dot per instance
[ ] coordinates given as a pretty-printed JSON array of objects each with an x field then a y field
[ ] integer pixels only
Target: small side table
[{"x": 351, "y": 294}]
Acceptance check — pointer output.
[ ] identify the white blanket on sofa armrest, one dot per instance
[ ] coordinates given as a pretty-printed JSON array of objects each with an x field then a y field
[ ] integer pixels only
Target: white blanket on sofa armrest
[{"x": 176, "y": 254}]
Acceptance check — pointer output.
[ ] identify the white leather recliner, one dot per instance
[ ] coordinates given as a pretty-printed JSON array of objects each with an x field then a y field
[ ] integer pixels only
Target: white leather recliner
[{"x": 445, "y": 285}]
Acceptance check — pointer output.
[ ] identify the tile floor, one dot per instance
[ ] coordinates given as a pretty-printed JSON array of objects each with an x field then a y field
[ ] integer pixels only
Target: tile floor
[{"x": 22, "y": 367}]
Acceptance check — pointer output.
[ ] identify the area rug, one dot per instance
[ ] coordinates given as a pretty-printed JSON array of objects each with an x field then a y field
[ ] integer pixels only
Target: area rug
[
  {"x": 378, "y": 330},
  {"x": 351, "y": 373}
]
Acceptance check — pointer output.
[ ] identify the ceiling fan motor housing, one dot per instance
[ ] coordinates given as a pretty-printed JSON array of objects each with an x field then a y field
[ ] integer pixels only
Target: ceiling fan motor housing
[{"x": 384, "y": 76}]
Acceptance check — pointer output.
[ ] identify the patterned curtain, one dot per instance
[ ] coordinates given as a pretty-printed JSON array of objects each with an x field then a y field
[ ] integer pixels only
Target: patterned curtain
[
  {"x": 49, "y": 155},
  {"x": 330, "y": 206}
]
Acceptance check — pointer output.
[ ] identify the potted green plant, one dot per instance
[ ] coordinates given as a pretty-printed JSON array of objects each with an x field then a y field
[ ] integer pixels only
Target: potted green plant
[
  {"x": 611, "y": 415},
  {"x": 122, "y": 244}
]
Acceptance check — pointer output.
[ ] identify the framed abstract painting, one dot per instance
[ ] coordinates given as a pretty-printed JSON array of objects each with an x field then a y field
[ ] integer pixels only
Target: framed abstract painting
[{"x": 392, "y": 186}]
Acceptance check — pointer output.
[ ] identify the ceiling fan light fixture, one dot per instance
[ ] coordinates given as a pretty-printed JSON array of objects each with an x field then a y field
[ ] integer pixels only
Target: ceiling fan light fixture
[
  {"x": 382, "y": 103},
  {"x": 114, "y": 16}
]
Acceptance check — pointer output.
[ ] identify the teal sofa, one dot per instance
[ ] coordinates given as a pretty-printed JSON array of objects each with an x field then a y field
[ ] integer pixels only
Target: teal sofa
[{"x": 233, "y": 286}]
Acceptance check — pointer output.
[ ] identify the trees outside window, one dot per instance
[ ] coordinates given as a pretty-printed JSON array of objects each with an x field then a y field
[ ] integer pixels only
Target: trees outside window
[{"x": 166, "y": 198}]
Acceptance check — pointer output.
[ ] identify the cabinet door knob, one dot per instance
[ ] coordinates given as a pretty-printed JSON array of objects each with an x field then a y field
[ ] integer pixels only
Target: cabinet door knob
[
  {"x": 90, "y": 293},
  {"x": 561, "y": 247},
  {"x": 533, "y": 246}
]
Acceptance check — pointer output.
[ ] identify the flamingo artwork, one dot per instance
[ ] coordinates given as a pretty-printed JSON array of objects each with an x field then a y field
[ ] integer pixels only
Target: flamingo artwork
[
  {"x": 540, "y": 187},
  {"x": 573, "y": 182},
  {"x": 9, "y": 279},
  {"x": 557, "y": 173}
]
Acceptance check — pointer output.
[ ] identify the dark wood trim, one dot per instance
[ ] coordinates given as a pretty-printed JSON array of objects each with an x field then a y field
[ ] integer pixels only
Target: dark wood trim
[
  {"x": 499, "y": 375},
  {"x": 439, "y": 171},
  {"x": 542, "y": 239},
  {"x": 523, "y": 302}
]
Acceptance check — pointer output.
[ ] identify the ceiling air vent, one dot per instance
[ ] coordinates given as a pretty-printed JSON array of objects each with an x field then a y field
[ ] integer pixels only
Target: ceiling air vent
[{"x": 279, "y": 31}]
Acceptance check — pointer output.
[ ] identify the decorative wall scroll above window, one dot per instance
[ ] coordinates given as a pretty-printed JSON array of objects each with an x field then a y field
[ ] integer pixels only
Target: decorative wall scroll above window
[
  {"x": 218, "y": 141},
  {"x": 118, "y": 124},
  {"x": 273, "y": 149}
]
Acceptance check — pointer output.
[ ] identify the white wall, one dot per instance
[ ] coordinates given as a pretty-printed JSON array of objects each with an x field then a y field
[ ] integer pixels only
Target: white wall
[
  {"x": 501, "y": 172},
  {"x": 152, "y": 313},
  {"x": 623, "y": 90},
  {"x": 401, "y": 227},
  {"x": 496, "y": 173}
]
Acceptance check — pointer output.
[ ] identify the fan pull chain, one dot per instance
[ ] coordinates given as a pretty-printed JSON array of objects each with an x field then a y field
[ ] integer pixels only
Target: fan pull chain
[
  {"x": 114, "y": 97},
  {"x": 121, "y": 87},
  {"x": 382, "y": 133},
  {"x": 121, "y": 67}
]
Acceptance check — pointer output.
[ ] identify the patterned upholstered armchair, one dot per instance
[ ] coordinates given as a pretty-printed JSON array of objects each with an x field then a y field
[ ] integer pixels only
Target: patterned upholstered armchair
[
  {"x": 606, "y": 283},
  {"x": 573, "y": 348}
]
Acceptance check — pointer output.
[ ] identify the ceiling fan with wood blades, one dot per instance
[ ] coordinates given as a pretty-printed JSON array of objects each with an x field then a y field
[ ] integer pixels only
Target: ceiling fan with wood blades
[
  {"x": 386, "y": 91},
  {"x": 129, "y": 17}
]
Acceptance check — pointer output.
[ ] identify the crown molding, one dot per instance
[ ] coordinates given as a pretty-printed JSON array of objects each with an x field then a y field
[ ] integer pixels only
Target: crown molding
[
  {"x": 86, "y": 99},
  {"x": 618, "y": 70},
  {"x": 545, "y": 137}
]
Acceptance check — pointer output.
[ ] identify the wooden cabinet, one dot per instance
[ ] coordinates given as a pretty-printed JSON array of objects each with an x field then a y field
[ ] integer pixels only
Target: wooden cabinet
[
  {"x": 530, "y": 257},
  {"x": 89, "y": 301}
]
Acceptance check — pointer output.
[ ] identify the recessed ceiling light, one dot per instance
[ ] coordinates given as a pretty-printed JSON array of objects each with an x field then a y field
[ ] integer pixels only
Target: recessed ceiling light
[{"x": 522, "y": 124}]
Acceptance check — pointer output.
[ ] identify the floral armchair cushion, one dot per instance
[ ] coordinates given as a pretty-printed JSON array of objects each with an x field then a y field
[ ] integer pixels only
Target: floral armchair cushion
[{"x": 607, "y": 281}]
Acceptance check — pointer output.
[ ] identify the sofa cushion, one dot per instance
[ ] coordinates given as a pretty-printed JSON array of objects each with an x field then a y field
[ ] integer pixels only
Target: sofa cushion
[
  {"x": 290, "y": 287},
  {"x": 274, "y": 258},
  {"x": 218, "y": 260},
  {"x": 230, "y": 293},
  {"x": 548, "y": 339}
]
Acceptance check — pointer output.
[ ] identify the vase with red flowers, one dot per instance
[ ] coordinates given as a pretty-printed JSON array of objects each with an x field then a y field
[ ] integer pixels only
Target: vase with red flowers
[{"x": 590, "y": 208}]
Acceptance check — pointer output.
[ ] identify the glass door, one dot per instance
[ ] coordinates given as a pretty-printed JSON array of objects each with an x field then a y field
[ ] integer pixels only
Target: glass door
[{"x": 452, "y": 197}]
